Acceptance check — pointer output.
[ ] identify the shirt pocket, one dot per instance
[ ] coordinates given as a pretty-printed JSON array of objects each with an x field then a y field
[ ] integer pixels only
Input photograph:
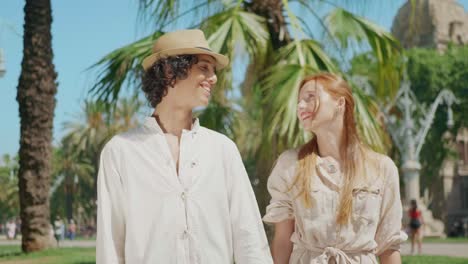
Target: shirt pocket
[{"x": 366, "y": 203}]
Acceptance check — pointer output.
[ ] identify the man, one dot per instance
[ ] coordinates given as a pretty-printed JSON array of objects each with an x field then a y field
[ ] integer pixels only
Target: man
[
  {"x": 58, "y": 229},
  {"x": 172, "y": 191}
]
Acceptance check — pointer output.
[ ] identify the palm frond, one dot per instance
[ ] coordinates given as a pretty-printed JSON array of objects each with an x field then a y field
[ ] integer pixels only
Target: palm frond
[
  {"x": 235, "y": 32},
  {"x": 219, "y": 117},
  {"x": 123, "y": 64},
  {"x": 161, "y": 14},
  {"x": 369, "y": 128},
  {"x": 280, "y": 86},
  {"x": 348, "y": 28}
]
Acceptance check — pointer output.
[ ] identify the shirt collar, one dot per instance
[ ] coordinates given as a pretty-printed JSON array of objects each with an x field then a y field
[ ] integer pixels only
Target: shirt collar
[{"x": 151, "y": 123}]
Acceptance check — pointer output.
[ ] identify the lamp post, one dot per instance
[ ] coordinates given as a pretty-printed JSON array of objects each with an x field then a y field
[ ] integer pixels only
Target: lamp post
[{"x": 409, "y": 133}]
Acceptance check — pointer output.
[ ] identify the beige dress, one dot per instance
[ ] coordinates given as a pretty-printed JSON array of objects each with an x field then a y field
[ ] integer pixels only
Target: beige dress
[{"x": 375, "y": 224}]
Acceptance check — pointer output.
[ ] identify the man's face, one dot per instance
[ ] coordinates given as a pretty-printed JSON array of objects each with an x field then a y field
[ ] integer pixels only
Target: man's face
[{"x": 197, "y": 88}]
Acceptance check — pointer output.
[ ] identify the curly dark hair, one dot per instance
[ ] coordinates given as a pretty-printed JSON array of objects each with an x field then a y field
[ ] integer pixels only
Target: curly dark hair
[{"x": 163, "y": 74}]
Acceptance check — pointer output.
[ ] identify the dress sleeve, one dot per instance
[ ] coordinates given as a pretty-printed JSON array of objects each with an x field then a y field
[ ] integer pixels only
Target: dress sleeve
[
  {"x": 389, "y": 233},
  {"x": 280, "y": 207}
]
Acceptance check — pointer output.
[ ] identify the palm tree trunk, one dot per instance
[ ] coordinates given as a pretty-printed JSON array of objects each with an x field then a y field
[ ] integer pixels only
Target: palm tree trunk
[
  {"x": 272, "y": 10},
  {"x": 69, "y": 199},
  {"x": 36, "y": 91}
]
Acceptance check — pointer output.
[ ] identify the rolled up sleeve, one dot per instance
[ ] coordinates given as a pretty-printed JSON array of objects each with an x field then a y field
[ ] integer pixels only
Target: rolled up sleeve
[
  {"x": 280, "y": 207},
  {"x": 389, "y": 233}
]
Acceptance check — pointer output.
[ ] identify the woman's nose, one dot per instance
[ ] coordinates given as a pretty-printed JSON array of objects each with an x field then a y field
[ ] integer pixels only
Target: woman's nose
[{"x": 302, "y": 104}]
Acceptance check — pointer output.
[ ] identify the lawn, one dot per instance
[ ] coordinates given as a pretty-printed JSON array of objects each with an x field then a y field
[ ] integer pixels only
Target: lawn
[
  {"x": 445, "y": 240},
  {"x": 431, "y": 260},
  {"x": 13, "y": 255}
]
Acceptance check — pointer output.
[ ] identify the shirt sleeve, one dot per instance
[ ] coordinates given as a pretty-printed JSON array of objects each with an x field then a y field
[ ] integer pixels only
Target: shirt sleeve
[
  {"x": 110, "y": 241},
  {"x": 250, "y": 244},
  {"x": 280, "y": 207},
  {"x": 389, "y": 233}
]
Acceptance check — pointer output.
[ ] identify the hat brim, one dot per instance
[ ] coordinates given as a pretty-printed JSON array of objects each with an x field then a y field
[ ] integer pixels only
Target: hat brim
[{"x": 221, "y": 60}]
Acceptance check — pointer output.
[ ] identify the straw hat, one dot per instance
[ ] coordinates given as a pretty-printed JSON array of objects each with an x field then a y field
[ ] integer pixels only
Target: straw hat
[{"x": 180, "y": 43}]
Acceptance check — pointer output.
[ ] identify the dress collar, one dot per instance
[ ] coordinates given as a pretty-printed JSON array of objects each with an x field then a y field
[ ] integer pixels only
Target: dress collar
[{"x": 329, "y": 170}]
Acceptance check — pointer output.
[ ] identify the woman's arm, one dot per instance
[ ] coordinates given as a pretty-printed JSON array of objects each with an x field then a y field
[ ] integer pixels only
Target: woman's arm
[
  {"x": 390, "y": 257},
  {"x": 281, "y": 246}
]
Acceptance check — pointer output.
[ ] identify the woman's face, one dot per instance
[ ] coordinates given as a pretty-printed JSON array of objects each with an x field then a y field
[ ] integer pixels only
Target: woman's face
[{"x": 316, "y": 108}]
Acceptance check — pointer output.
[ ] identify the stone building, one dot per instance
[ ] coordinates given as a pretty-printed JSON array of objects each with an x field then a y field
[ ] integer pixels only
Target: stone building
[
  {"x": 431, "y": 24},
  {"x": 451, "y": 201},
  {"x": 435, "y": 24}
]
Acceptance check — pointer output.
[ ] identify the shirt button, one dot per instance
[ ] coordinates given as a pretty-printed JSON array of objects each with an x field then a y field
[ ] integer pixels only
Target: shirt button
[
  {"x": 185, "y": 234},
  {"x": 193, "y": 164},
  {"x": 183, "y": 196}
]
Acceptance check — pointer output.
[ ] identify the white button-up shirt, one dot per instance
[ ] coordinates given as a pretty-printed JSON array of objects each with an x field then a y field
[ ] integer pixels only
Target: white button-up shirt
[{"x": 149, "y": 213}]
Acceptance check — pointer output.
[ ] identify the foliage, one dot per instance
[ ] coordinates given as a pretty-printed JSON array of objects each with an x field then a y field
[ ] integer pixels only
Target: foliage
[
  {"x": 76, "y": 160},
  {"x": 430, "y": 71},
  {"x": 9, "y": 199}
]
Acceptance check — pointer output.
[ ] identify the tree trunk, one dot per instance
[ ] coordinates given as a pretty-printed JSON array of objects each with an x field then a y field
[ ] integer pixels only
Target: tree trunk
[
  {"x": 272, "y": 10},
  {"x": 69, "y": 198},
  {"x": 36, "y": 91}
]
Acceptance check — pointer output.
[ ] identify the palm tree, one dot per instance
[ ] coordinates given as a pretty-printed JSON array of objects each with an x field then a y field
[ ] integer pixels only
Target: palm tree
[
  {"x": 78, "y": 158},
  {"x": 71, "y": 177},
  {"x": 280, "y": 50},
  {"x": 36, "y": 91}
]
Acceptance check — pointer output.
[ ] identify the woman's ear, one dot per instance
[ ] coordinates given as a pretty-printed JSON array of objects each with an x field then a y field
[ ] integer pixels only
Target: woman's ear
[{"x": 341, "y": 104}]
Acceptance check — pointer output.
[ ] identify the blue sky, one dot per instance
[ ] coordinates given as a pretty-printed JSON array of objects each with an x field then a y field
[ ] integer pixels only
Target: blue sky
[{"x": 83, "y": 32}]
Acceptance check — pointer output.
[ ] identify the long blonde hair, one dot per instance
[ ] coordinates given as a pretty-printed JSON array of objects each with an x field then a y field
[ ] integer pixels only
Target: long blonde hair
[{"x": 352, "y": 150}]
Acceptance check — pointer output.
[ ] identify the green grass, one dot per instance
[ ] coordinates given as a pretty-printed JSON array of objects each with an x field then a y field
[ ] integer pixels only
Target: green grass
[
  {"x": 13, "y": 255},
  {"x": 445, "y": 240},
  {"x": 9, "y": 250},
  {"x": 432, "y": 260},
  {"x": 80, "y": 238}
]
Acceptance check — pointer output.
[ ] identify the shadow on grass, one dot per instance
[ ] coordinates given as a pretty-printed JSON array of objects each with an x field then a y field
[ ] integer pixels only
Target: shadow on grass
[
  {"x": 10, "y": 254},
  {"x": 10, "y": 251}
]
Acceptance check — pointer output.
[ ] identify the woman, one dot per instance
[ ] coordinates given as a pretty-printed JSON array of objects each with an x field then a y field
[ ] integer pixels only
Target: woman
[
  {"x": 333, "y": 199},
  {"x": 415, "y": 224}
]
